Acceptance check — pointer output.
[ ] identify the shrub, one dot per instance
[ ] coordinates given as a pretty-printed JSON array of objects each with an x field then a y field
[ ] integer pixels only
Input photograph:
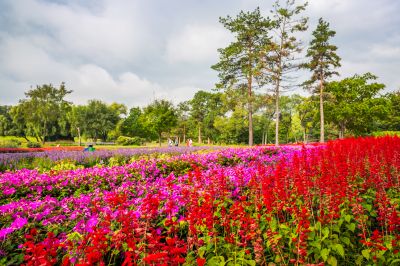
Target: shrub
[
  {"x": 10, "y": 143},
  {"x": 34, "y": 145},
  {"x": 125, "y": 141}
]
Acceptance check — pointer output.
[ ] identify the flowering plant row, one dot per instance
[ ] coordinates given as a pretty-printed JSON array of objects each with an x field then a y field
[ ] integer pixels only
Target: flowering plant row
[
  {"x": 335, "y": 204},
  {"x": 44, "y": 159}
]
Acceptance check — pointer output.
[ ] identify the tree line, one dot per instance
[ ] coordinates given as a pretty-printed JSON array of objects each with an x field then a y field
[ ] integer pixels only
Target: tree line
[
  {"x": 250, "y": 103},
  {"x": 353, "y": 106}
]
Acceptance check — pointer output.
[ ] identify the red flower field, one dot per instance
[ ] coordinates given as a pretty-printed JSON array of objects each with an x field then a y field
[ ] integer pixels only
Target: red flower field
[{"x": 336, "y": 204}]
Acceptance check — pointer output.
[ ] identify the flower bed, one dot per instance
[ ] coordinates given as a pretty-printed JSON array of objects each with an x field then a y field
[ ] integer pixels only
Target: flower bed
[
  {"x": 25, "y": 150},
  {"x": 45, "y": 159},
  {"x": 336, "y": 205}
]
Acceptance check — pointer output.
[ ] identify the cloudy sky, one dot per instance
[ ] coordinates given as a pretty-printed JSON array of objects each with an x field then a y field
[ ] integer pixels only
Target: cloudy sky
[{"x": 131, "y": 51}]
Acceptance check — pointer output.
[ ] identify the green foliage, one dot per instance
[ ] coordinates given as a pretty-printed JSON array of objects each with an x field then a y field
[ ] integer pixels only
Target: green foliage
[
  {"x": 205, "y": 108},
  {"x": 322, "y": 55},
  {"x": 134, "y": 124},
  {"x": 353, "y": 106},
  {"x": 10, "y": 143},
  {"x": 322, "y": 62},
  {"x": 96, "y": 119},
  {"x": 126, "y": 141},
  {"x": 281, "y": 52},
  {"x": 385, "y": 133},
  {"x": 43, "y": 111},
  {"x": 32, "y": 144},
  {"x": 160, "y": 116},
  {"x": 240, "y": 62}
]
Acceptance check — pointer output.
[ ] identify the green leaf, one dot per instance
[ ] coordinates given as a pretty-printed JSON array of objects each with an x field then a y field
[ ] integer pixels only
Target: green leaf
[
  {"x": 201, "y": 251},
  {"x": 359, "y": 260},
  {"x": 366, "y": 253},
  {"x": 351, "y": 227},
  {"x": 332, "y": 261},
  {"x": 325, "y": 253},
  {"x": 395, "y": 262},
  {"x": 339, "y": 249},
  {"x": 347, "y": 218},
  {"x": 325, "y": 232},
  {"x": 345, "y": 240},
  {"x": 216, "y": 261},
  {"x": 318, "y": 225},
  {"x": 251, "y": 262}
]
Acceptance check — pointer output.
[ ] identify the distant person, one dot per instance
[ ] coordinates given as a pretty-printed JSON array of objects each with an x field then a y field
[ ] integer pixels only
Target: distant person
[
  {"x": 170, "y": 143},
  {"x": 90, "y": 148},
  {"x": 176, "y": 142},
  {"x": 190, "y": 142}
]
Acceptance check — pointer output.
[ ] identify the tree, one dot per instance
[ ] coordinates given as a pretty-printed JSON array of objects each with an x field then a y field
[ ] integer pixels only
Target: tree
[
  {"x": 96, "y": 119},
  {"x": 268, "y": 114},
  {"x": 43, "y": 109},
  {"x": 6, "y": 125},
  {"x": 160, "y": 116},
  {"x": 353, "y": 104},
  {"x": 134, "y": 124},
  {"x": 205, "y": 107},
  {"x": 394, "y": 116},
  {"x": 306, "y": 112},
  {"x": 279, "y": 58},
  {"x": 239, "y": 62},
  {"x": 323, "y": 59},
  {"x": 183, "y": 117}
]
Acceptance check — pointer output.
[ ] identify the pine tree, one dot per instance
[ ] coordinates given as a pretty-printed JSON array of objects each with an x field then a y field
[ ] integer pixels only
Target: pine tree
[
  {"x": 281, "y": 55},
  {"x": 323, "y": 61},
  {"x": 239, "y": 62}
]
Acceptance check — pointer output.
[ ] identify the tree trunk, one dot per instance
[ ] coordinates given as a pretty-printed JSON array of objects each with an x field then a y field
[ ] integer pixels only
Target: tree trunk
[
  {"x": 304, "y": 135},
  {"x": 184, "y": 134},
  {"x": 321, "y": 110},
  {"x": 263, "y": 138},
  {"x": 79, "y": 136},
  {"x": 250, "y": 106},
  {"x": 199, "y": 133},
  {"x": 277, "y": 114},
  {"x": 341, "y": 131},
  {"x": 159, "y": 139}
]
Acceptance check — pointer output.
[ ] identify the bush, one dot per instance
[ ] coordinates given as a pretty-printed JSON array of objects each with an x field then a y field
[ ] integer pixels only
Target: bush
[
  {"x": 10, "y": 143},
  {"x": 34, "y": 145},
  {"x": 125, "y": 141},
  {"x": 385, "y": 133}
]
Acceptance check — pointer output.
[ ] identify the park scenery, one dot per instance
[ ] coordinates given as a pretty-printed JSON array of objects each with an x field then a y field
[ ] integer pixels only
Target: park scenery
[{"x": 284, "y": 157}]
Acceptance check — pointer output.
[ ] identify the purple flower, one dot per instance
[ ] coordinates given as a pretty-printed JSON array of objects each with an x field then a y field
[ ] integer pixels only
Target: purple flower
[
  {"x": 9, "y": 191},
  {"x": 4, "y": 232},
  {"x": 19, "y": 223}
]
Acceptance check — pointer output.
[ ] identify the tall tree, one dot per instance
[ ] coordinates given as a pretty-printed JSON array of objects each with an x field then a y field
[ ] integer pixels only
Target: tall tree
[
  {"x": 323, "y": 61},
  {"x": 160, "y": 116},
  {"x": 239, "y": 62},
  {"x": 183, "y": 117},
  {"x": 134, "y": 124},
  {"x": 353, "y": 104},
  {"x": 205, "y": 107},
  {"x": 96, "y": 119},
  {"x": 306, "y": 111},
  {"x": 43, "y": 109},
  {"x": 280, "y": 55},
  {"x": 6, "y": 125},
  {"x": 393, "y": 119}
]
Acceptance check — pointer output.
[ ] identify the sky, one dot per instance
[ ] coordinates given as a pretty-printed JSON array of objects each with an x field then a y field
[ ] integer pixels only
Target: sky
[{"x": 135, "y": 51}]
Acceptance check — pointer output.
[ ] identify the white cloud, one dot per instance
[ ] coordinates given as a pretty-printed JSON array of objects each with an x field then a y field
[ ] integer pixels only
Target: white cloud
[
  {"x": 196, "y": 44},
  {"x": 112, "y": 34},
  {"x": 94, "y": 82}
]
